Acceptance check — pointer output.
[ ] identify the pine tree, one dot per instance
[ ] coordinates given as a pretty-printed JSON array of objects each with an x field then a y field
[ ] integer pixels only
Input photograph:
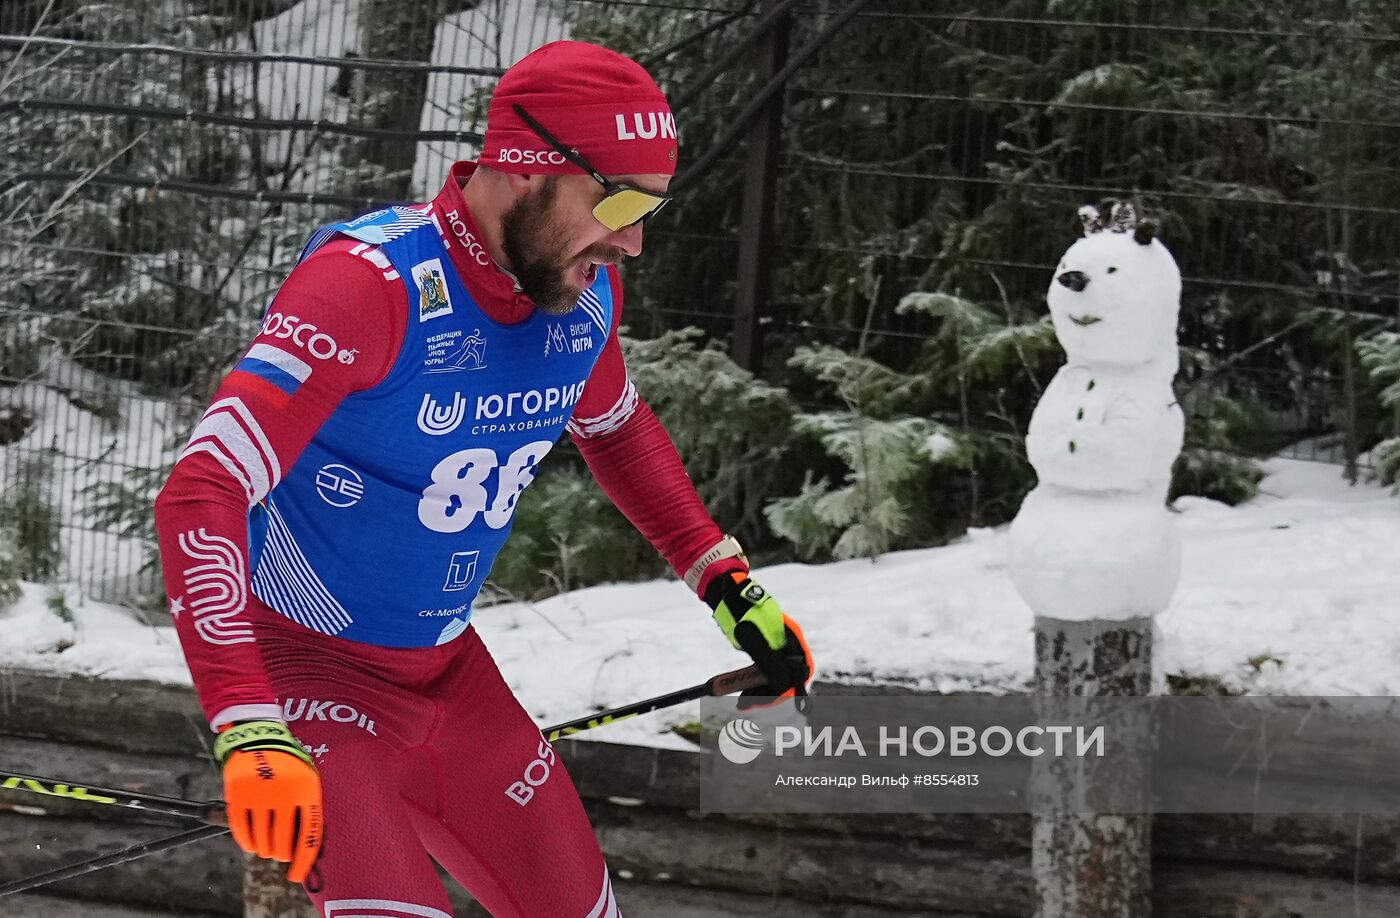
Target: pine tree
[
  {"x": 1380, "y": 356},
  {"x": 734, "y": 434},
  {"x": 921, "y": 463},
  {"x": 10, "y": 571},
  {"x": 126, "y": 274},
  {"x": 393, "y": 101},
  {"x": 566, "y": 534},
  {"x": 30, "y": 519},
  {"x": 733, "y": 431}
]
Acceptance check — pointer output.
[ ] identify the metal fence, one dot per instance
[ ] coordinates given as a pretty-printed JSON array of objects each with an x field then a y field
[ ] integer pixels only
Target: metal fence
[{"x": 163, "y": 162}]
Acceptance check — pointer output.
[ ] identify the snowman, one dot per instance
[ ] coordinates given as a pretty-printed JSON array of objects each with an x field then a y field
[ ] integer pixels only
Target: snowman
[{"x": 1094, "y": 539}]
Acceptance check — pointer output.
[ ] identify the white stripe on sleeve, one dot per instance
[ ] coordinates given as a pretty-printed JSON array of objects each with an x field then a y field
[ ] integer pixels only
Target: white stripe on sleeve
[{"x": 290, "y": 364}]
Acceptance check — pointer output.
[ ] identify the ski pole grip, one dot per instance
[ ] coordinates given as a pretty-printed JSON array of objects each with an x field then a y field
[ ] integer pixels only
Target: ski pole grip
[
  {"x": 216, "y": 814},
  {"x": 750, "y": 677}
]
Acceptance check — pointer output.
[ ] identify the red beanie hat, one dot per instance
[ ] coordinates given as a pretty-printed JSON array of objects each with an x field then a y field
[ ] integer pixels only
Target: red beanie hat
[{"x": 598, "y": 102}]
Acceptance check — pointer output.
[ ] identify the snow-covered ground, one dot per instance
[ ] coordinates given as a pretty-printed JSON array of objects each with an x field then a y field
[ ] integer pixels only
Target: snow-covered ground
[{"x": 1291, "y": 593}]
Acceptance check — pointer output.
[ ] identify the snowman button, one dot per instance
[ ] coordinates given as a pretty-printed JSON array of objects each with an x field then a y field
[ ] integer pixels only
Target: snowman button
[
  {"x": 1079, "y": 416},
  {"x": 1071, "y": 446},
  {"x": 1091, "y": 386}
]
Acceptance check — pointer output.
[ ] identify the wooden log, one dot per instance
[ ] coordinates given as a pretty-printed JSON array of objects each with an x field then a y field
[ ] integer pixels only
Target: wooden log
[
  {"x": 125, "y": 715},
  {"x": 656, "y": 777},
  {"x": 166, "y": 719},
  {"x": 955, "y": 864},
  {"x": 661, "y": 900},
  {"x": 667, "y": 900},
  {"x": 1360, "y": 846},
  {"x": 268, "y": 894},
  {"x": 30, "y": 905},
  {"x": 712, "y": 852},
  {"x": 205, "y": 878},
  {"x": 1366, "y": 846},
  {"x": 207, "y": 873},
  {"x": 1204, "y": 891},
  {"x": 1193, "y": 893}
]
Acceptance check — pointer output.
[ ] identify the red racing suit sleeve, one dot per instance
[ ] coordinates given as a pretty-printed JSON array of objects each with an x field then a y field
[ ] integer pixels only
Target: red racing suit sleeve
[
  {"x": 335, "y": 327},
  {"x": 636, "y": 462}
]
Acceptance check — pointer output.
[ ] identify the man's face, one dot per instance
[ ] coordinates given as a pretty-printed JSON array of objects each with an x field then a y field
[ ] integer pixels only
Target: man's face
[{"x": 554, "y": 243}]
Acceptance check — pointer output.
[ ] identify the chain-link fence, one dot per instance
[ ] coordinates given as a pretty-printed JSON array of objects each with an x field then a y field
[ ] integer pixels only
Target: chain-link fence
[{"x": 163, "y": 162}]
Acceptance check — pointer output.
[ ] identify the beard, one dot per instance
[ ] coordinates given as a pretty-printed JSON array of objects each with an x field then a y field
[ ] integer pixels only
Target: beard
[{"x": 535, "y": 241}]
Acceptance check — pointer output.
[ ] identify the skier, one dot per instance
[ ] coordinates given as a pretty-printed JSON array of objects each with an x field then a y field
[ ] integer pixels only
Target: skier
[{"x": 337, "y": 507}]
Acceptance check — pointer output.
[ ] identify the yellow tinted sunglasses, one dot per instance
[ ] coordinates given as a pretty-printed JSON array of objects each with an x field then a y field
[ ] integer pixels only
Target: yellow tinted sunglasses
[{"x": 622, "y": 204}]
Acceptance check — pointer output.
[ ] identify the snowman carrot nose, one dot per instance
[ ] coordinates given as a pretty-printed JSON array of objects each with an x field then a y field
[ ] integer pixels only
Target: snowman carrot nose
[{"x": 1074, "y": 280}]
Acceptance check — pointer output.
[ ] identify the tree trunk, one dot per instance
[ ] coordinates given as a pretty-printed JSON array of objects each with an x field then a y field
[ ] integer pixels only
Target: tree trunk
[
  {"x": 392, "y": 30},
  {"x": 1089, "y": 864}
]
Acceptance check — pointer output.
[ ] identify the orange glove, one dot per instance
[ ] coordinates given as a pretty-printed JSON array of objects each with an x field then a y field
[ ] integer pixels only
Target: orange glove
[{"x": 273, "y": 794}]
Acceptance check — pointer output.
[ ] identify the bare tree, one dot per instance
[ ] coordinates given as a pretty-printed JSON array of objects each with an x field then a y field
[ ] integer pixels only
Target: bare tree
[{"x": 391, "y": 30}]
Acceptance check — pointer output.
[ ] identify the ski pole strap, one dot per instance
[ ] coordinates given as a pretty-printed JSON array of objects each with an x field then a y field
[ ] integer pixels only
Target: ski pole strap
[
  {"x": 739, "y": 680},
  {"x": 259, "y": 736}
]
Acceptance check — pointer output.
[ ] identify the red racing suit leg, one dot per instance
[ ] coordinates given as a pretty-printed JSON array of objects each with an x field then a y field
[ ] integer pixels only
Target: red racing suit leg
[{"x": 425, "y": 754}]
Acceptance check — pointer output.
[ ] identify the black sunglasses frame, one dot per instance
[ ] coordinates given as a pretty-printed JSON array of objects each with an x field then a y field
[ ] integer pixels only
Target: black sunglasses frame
[{"x": 573, "y": 156}]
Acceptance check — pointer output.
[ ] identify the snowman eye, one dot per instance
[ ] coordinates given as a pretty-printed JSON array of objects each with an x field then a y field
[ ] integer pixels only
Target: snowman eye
[{"x": 1112, "y": 269}]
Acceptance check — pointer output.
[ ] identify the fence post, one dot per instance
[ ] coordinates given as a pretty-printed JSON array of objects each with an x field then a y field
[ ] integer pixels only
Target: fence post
[
  {"x": 1091, "y": 864},
  {"x": 754, "y": 286}
]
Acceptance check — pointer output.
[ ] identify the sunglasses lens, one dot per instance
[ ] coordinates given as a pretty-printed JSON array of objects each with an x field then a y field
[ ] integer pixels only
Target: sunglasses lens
[{"x": 626, "y": 206}]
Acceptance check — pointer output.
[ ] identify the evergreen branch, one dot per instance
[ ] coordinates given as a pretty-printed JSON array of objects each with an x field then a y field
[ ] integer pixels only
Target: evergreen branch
[
  {"x": 1011, "y": 323},
  {"x": 657, "y": 56},
  {"x": 844, "y": 163},
  {"x": 50, "y": 216},
  {"x": 288, "y": 173},
  {"x": 1241, "y": 354}
]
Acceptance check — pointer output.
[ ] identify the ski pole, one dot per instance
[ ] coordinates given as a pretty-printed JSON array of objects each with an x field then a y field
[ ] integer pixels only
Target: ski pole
[
  {"x": 185, "y": 837},
  {"x": 215, "y": 817},
  {"x": 209, "y": 812},
  {"x": 212, "y": 812},
  {"x": 724, "y": 684}
]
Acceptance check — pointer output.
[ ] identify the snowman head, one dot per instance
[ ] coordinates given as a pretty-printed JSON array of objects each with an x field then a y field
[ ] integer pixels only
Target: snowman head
[{"x": 1116, "y": 292}]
